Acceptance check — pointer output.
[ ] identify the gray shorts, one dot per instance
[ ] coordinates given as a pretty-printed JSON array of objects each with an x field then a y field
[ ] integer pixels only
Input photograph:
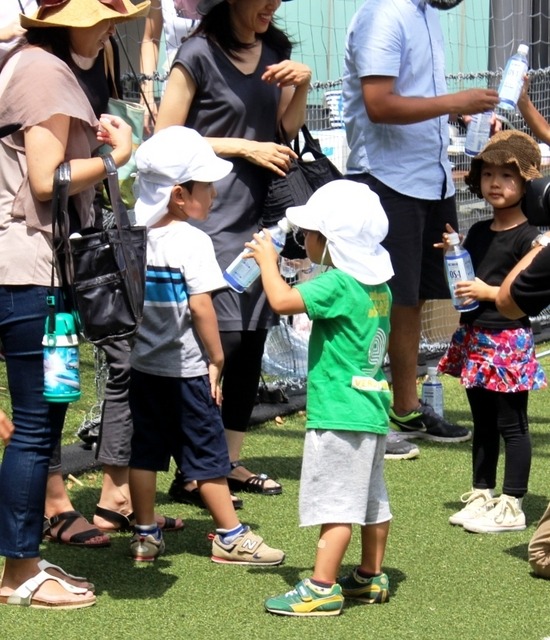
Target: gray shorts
[{"x": 342, "y": 478}]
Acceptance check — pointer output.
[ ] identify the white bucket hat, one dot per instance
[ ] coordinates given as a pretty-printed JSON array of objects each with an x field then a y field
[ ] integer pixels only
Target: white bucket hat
[
  {"x": 354, "y": 223},
  {"x": 172, "y": 156}
]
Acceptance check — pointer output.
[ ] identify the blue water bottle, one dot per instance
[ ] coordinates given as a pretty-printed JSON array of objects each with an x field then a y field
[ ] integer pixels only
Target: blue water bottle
[
  {"x": 458, "y": 268},
  {"x": 61, "y": 359}
]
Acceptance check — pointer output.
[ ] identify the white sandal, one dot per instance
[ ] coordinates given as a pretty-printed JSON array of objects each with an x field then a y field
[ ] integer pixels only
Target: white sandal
[
  {"x": 23, "y": 595},
  {"x": 44, "y": 564}
]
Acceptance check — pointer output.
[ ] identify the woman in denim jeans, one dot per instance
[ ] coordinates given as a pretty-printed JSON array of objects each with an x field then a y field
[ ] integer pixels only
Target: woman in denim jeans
[{"x": 38, "y": 89}]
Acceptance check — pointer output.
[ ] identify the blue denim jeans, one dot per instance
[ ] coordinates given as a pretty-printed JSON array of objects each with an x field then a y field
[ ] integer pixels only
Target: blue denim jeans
[{"x": 38, "y": 424}]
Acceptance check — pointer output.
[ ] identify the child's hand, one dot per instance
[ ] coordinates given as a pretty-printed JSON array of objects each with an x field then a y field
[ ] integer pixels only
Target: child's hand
[
  {"x": 214, "y": 375},
  {"x": 475, "y": 290},
  {"x": 524, "y": 96},
  {"x": 445, "y": 244},
  {"x": 262, "y": 249}
]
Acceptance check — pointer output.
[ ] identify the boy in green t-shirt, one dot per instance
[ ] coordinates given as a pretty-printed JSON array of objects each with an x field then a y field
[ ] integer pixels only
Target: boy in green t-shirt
[{"x": 348, "y": 397}]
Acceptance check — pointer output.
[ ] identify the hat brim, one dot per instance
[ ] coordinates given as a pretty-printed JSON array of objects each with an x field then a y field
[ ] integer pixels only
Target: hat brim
[
  {"x": 304, "y": 217},
  {"x": 216, "y": 170},
  {"x": 75, "y": 14}
]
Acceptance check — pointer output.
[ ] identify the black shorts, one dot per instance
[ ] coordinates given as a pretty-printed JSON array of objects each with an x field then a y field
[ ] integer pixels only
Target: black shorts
[
  {"x": 177, "y": 417},
  {"x": 414, "y": 226}
]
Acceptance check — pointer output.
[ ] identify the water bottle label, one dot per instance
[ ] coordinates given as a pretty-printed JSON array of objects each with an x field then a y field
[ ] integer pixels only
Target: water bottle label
[
  {"x": 512, "y": 83},
  {"x": 61, "y": 374},
  {"x": 432, "y": 394},
  {"x": 459, "y": 269},
  {"x": 242, "y": 272},
  {"x": 478, "y": 133}
]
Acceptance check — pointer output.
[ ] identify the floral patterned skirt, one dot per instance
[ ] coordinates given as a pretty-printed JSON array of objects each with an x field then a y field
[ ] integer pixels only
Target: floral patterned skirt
[{"x": 497, "y": 360}]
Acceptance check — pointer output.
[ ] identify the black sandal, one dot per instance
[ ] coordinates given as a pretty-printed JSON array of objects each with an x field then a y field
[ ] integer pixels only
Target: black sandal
[
  {"x": 91, "y": 537},
  {"x": 179, "y": 493},
  {"x": 126, "y": 523},
  {"x": 254, "y": 484}
]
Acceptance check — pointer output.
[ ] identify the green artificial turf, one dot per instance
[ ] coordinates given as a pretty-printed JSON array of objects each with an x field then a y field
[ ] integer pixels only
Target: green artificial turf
[{"x": 445, "y": 582}]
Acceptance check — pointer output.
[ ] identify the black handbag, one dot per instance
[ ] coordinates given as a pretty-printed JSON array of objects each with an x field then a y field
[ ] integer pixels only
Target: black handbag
[
  {"x": 102, "y": 273},
  {"x": 303, "y": 178}
]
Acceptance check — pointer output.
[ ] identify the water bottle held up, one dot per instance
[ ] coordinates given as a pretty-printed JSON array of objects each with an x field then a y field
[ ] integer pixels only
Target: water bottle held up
[
  {"x": 458, "y": 268},
  {"x": 478, "y": 133},
  {"x": 242, "y": 272},
  {"x": 61, "y": 359},
  {"x": 432, "y": 391},
  {"x": 512, "y": 78}
]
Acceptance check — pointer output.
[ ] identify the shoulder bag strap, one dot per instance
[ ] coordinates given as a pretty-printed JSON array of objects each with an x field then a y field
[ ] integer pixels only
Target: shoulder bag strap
[
  {"x": 60, "y": 222},
  {"x": 119, "y": 210},
  {"x": 109, "y": 60},
  {"x": 310, "y": 143}
]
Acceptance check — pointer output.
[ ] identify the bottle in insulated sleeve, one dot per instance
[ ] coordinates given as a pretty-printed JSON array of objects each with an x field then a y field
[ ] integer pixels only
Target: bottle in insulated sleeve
[
  {"x": 242, "y": 272},
  {"x": 458, "y": 268},
  {"x": 61, "y": 359},
  {"x": 477, "y": 135},
  {"x": 432, "y": 391},
  {"x": 512, "y": 78}
]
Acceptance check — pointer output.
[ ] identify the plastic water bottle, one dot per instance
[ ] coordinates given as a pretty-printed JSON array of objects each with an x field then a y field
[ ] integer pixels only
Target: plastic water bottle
[
  {"x": 61, "y": 360},
  {"x": 432, "y": 391},
  {"x": 512, "y": 78},
  {"x": 242, "y": 272},
  {"x": 458, "y": 268},
  {"x": 478, "y": 132}
]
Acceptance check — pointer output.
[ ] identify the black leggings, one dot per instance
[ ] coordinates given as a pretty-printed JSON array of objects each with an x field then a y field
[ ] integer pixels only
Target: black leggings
[
  {"x": 498, "y": 414},
  {"x": 243, "y": 351}
]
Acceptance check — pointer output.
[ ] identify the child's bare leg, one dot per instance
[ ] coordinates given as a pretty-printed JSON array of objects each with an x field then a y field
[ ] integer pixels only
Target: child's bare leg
[
  {"x": 331, "y": 548},
  {"x": 217, "y": 498},
  {"x": 143, "y": 490},
  {"x": 373, "y": 546}
]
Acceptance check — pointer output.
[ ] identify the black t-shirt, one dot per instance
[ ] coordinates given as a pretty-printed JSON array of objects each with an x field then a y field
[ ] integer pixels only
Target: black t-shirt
[
  {"x": 494, "y": 254},
  {"x": 97, "y": 84},
  {"x": 531, "y": 288}
]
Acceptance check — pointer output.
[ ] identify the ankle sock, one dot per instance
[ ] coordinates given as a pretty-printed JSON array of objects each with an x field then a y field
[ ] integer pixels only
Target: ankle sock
[
  {"x": 321, "y": 585},
  {"x": 366, "y": 575},
  {"x": 227, "y": 536},
  {"x": 148, "y": 530}
]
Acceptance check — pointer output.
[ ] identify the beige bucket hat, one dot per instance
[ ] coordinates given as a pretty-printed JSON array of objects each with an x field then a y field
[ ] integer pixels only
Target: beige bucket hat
[{"x": 506, "y": 147}]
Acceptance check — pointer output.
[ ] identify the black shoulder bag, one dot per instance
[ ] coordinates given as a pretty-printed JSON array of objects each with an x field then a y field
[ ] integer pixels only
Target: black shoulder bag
[
  {"x": 294, "y": 189},
  {"x": 102, "y": 273}
]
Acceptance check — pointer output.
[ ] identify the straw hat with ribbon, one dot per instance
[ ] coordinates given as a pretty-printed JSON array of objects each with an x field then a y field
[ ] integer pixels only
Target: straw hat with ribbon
[{"x": 83, "y": 13}]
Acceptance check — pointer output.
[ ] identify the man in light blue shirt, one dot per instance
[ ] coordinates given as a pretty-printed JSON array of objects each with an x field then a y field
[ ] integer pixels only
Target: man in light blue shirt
[{"x": 396, "y": 109}]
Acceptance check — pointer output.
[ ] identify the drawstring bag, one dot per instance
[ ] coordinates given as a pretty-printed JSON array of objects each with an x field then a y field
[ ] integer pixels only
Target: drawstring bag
[
  {"x": 306, "y": 174},
  {"x": 102, "y": 273}
]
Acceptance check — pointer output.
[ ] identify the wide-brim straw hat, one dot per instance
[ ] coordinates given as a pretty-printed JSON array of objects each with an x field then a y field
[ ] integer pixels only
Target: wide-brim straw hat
[
  {"x": 83, "y": 13},
  {"x": 506, "y": 147}
]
